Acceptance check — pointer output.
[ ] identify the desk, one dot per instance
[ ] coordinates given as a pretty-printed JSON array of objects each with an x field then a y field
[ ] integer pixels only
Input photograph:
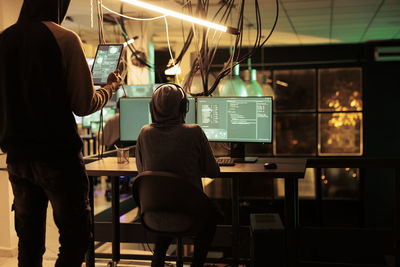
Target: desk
[{"x": 289, "y": 168}]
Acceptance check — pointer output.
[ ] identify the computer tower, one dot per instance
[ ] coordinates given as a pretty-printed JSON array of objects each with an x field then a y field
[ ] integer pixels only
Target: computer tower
[{"x": 268, "y": 238}]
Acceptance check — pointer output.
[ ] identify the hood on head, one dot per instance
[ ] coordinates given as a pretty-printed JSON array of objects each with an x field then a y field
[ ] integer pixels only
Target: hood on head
[
  {"x": 43, "y": 10},
  {"x": 165, "y": 105}
]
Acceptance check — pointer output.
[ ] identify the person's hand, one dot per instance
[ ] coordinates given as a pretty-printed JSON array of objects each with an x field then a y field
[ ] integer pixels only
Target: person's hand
[{"x": 114, "y": 80}]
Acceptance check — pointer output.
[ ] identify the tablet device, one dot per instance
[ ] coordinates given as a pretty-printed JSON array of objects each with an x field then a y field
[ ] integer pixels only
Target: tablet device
[{"x": 106, "y": 61}]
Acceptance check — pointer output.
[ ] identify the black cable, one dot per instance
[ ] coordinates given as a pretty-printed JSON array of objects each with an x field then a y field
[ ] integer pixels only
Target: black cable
[
  {"x": 226, "y": 71},
  {"x": 121, "y": 23},
  {"x": 100, "y": 137}
]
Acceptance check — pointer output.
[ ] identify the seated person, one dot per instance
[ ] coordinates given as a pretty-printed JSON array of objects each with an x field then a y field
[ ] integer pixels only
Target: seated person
[{"x": 168, "y": 144}]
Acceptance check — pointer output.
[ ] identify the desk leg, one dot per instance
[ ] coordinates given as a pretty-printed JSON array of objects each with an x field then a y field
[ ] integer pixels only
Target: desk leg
[
  {"x": 90, "y": 252},
  {"x": 94, "y": 146},
  {"x": 88, "y": 147},
  {"x": 291, "y": 219},
  {"x": 115, "y": 219},
  {"x": 235, "y": 220}
]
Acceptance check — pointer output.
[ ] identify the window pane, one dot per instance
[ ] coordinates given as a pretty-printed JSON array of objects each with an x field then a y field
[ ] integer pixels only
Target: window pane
[
  {"x": 306, "y": 185},
  {"x": 340, "y": 133},
  {"x": 295, "y": 90},
  {"x": 339, "y": 183},
  {"x": 340, "y": 89},
  {"x": 295, "y": 134}
]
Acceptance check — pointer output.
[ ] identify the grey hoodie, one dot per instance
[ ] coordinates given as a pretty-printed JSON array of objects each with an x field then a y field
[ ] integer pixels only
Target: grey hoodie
[{"x": 169, "y": 144}]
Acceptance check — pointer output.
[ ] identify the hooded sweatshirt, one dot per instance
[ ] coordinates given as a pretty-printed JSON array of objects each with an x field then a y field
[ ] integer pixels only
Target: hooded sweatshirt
[
  {"x": 44, "y": 76},
  {"x": 168, "y": 144}
]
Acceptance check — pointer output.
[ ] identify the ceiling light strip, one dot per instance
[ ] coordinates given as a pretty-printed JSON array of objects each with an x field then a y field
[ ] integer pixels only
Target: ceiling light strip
[
  {"x": 132, "y": 18},
  {"x": 181, "y": 16}
]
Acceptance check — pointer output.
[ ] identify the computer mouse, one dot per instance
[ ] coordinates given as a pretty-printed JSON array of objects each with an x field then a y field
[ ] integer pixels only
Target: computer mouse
[{"x": 270, "y": 165}]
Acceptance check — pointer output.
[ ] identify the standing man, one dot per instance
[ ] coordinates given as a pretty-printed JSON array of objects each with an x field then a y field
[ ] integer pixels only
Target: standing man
[{"x": 44, "y": 77}]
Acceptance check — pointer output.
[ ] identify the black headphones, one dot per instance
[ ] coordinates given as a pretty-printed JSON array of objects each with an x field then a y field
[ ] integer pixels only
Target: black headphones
[{"x": 184, "y": 105}]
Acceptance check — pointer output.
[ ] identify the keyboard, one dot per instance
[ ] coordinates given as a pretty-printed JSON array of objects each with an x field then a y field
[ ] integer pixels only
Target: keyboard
[{"x": 225, "y": 161}]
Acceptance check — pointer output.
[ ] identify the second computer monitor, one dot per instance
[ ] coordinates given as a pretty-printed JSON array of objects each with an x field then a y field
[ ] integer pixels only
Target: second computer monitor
[
  {"x": 236, "y": 119},
  {"x": 108, "y": 112},
  {"x": 135, "y": 113}
]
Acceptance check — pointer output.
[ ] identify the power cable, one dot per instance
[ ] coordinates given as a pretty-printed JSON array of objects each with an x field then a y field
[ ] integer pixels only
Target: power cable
[{"x": 169, "y": 49}]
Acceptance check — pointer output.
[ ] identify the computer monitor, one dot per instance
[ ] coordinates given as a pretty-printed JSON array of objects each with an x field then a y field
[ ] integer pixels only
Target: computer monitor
[
  {"x": 89, "y": 118},
  {"x": 135, "y": 113},
  {"x": 137, "y": 90},
  {"x": 108, "y": 112},
  {"x": 236, "y": 119}
]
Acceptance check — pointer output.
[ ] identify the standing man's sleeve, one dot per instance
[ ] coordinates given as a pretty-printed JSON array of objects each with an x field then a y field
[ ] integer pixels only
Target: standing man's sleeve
[{"x": 84, "y": 98}]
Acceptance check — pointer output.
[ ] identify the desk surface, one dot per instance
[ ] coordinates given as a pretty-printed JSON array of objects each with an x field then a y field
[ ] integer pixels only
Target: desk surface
[{"x": 287, "y": 168}]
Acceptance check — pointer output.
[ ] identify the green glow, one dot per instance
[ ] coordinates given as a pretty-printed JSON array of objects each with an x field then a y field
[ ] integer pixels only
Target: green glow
[
  {"x": 252, "y": 86},
  {"x": 234, "y": 86}
]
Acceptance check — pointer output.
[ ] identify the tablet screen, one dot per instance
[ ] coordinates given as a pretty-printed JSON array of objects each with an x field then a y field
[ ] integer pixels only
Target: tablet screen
[{"x": 105, "y": 62}]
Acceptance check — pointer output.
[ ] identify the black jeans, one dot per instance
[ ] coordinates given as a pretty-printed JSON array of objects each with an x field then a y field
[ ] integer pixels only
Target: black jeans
[
  {"x": 202, "y": 242},
  {"x": 65, "y": 184}
]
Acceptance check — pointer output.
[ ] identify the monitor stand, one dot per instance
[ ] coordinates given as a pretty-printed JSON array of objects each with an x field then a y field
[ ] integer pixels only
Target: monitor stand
[{"x": 238, "y": 153}]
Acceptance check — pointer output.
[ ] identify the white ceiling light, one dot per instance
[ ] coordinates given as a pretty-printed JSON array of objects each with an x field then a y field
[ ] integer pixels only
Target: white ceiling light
[
  {"x": 131, "y": 41},
  {"x": 182, "y": 16},
  {"x": 174, "y": 70}
]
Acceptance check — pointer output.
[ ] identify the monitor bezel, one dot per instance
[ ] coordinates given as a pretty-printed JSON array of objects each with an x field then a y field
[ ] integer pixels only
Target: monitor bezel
[{"x": 240, "y": 97}]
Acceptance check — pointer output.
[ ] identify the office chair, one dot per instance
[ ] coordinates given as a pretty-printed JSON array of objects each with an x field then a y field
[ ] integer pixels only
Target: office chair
[{"x": 170, "y": 205}]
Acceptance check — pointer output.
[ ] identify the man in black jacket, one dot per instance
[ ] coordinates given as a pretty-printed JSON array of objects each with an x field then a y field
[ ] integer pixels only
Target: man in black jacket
[{"x": 44, "y": 77}]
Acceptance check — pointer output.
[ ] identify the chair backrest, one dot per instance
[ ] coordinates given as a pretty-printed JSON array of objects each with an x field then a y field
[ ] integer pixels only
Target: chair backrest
[{"x": 170, "y": 204}]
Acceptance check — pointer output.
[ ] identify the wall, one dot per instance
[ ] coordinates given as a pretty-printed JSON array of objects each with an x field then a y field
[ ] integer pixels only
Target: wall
[
  {"x": 381, "y": 104},
  {"x": 9, "y": 11}
]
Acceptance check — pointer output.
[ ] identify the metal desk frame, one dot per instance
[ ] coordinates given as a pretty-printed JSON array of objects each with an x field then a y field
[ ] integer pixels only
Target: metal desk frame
[{"x": 291, "y": 169}]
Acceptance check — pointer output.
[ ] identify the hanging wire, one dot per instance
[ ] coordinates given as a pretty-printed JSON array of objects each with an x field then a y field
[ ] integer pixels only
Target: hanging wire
[
  {"x": 100, "y": 22},
  {"x": 91, "y": 14},
  {"x": 170, "y": 50},
  {"x": 206, "y": 47}
]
